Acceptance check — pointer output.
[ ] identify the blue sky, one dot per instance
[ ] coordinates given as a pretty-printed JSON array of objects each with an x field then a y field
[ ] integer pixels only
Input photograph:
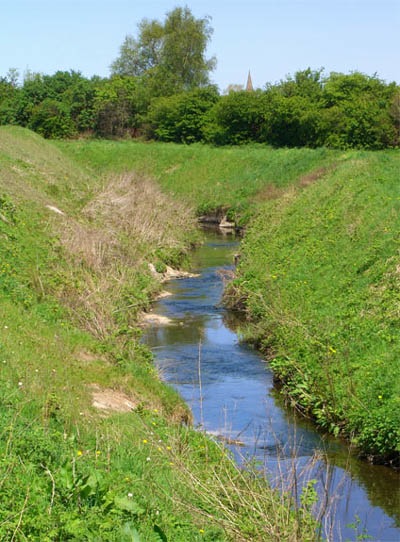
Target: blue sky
[{"x": 272, "y": 38}]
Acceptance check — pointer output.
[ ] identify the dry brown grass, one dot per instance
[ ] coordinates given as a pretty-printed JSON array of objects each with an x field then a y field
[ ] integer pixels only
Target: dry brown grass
[
  {"x": 113, "y": 241},
  {"x": 136, "y": 206}
]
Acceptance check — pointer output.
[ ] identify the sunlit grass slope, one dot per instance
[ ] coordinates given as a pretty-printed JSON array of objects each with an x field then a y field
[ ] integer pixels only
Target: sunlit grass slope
[
  {"x": 206, "y": 177},
  {"x": 92, "y": 443},
  {"x": 320, "y": 278},
  {"x": 319, "y": 271}
]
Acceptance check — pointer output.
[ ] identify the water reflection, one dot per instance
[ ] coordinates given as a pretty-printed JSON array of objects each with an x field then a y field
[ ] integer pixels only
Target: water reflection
[{"x": 238, "y": 402}]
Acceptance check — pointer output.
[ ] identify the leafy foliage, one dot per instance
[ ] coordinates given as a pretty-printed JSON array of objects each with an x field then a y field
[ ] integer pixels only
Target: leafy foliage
[
  {"x": 169, "y": 55},
  {"x": 159, "y": 89},
  {"x": 181, "y": 118}
]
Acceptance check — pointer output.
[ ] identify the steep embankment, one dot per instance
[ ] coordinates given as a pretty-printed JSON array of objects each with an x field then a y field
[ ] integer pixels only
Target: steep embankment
[
  {"x": 319, "y": 272},
  {"x": 208, "y": 178},
  {"x": 320, "y": 279},
  {"x": 88, "y": 434}
]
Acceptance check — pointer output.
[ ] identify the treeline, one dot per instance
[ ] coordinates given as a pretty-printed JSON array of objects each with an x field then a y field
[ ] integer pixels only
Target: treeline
[
  {"x": 160, "y": 89},
  {"x": 340, "y": 111}
]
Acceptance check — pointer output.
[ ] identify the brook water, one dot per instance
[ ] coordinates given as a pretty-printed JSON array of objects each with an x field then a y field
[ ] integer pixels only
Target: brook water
[{"x": 230, "y": 391}]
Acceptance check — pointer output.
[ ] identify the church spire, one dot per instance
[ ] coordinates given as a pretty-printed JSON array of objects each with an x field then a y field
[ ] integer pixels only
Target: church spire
[{"x": 249, "y": 84}]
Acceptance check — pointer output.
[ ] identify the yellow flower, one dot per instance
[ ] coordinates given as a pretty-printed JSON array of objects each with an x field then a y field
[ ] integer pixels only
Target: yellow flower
[
  {"x": 79, "y": 453},
  {"x": 144, "y": 441}
]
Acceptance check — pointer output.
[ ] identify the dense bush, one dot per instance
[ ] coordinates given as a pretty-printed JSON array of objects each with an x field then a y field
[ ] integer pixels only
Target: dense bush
[
  {"x": 236, "y": 118},
  {"x": 181, "y": 117},
  {"x": 308, "y": 109},
  {"x": 52, "y": 119}
]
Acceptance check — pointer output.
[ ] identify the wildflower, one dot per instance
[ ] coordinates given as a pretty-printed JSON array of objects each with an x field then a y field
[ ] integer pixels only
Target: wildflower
[
  {"x": 148, "y": 459},
  {"x": 20, "y": 384},
  {"x": 201, "y": 531},
  {"x": 79, "y": 453},
  {"x": 379, "y": 396},
  {"x": 169, "y": 448},
  {"x": 98, "y": 452},
  {"x": 130, "y": 495},
  {"x": 144, "y": 441}
]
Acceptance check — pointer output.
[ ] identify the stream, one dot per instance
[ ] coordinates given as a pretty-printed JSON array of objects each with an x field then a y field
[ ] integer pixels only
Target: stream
[{"x": 230, "y": 391}]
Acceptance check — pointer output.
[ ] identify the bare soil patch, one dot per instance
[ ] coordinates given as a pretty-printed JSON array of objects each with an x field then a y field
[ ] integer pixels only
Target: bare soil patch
[{"x": 107, "y": 399}]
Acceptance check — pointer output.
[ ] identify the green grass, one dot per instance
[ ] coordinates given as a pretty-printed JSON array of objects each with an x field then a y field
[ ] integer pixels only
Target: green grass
[
  {"x": 71, "y": 290},
  {"x": 206, "y": 177},
  {"x": 320, "y": 279},
  {"x": 318, "y": 268}
]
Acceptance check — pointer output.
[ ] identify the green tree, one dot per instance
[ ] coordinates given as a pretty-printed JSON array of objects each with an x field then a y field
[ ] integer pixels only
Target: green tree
[
  {"x": 38, "y": 87},
  {"x": 170, "y": 56},
  {"x": 52, "y": 119},
  {"x": 9, "y": 91},
  {"x": 139, "y": 56},
  {"x": 116, "y": 106},
  {"x": 358, "y": 112},
  {"x": 306, "y": 83},
  {"x": 181, "y": 117},
  {"x": 394, "y": 112},
  {"x": 290, "y": 121},
  {"x": 80, "y": 99},
  {"x": 237, "y": 118}
]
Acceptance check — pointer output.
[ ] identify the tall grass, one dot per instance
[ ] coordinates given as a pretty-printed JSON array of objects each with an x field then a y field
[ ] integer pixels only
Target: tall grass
[
  {"x": 208, "y": 178},
  {"x": 74, "y": 274},
  {"x": 319, "y": 277}
]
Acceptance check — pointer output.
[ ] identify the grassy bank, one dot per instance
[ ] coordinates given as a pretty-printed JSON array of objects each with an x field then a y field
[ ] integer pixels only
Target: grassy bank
[
  {"x": 319, "y": 270},
  {"x": 92, "y": 443},
  {"x": 207, "y": 178},
  {"x": 319, "y": 278}
]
